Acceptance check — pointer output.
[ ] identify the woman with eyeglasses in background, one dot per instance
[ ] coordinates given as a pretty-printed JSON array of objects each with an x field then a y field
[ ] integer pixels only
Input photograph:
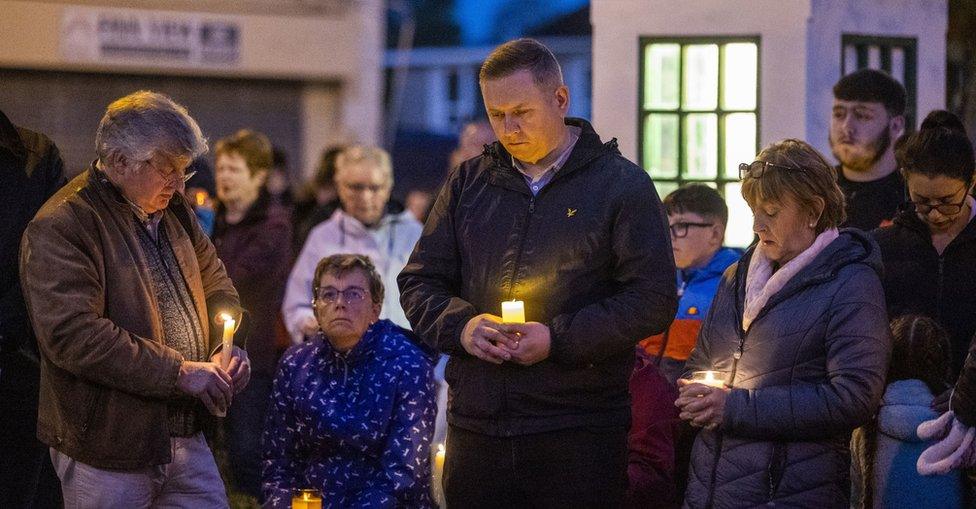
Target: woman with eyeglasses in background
[
  {"x": 799, "y": 334},
  {"x": 929, "y": 251},
  {"x": 352, "y": 410}
]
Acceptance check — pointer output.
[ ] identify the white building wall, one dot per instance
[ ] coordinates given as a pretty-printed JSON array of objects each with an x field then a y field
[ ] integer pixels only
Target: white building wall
[
  {"x": 618, "y": 26},
  {"x": 887, "y": 18}
]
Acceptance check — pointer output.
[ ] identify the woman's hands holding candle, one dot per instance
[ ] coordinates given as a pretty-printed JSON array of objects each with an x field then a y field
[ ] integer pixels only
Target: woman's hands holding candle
[
  {"x": 702, "y": 405},
  {"x": 533, "y": 342}
]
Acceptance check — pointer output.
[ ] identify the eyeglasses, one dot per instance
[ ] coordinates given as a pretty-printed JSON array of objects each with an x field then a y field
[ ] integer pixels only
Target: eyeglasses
[
  {"x": 330, "y": 295},
  {"x": 757, "y": 169},
  {"x": 680, "y": 230},
  {"x": 172, "y": 174},
  {"x": 946, "y": 209}
]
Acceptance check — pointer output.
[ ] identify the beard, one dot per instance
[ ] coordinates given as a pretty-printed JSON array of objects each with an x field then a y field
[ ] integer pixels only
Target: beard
[{"x": 863, "y": 162}]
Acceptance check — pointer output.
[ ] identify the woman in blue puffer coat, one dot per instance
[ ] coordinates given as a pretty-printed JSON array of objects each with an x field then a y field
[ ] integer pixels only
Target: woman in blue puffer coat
[{"x": 799, "y": 330}]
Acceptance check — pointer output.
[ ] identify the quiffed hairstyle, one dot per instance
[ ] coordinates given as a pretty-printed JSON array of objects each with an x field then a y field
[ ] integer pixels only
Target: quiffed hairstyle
[
  {"x": 143, "y": 124},
  {"x": 254, "y": 147},
  {"x": 872, "y": 85},
  {"x": 808, "y": 176},
  {"x": 920, "y": 350},
  {"x": 697, "y": 199},
  {"x": 356, "y": 155},
  {"x": 940, "y": 147},
  {"x": 519, "y": 55},
  {"x": 341, "y": 264}
]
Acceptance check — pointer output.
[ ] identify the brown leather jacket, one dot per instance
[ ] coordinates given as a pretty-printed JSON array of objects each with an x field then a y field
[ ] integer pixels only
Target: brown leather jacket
[{"x": 106, "y": 373}]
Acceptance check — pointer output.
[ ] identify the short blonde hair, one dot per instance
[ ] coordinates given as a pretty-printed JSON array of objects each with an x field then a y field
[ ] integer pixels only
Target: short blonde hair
[{"x": 807, "y": 176}]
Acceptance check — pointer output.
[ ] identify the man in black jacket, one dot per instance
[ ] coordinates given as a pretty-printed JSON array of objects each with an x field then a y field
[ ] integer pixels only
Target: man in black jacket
[
  {"x": 31, "y": 170},
  {"x": 553, "y": 217}
]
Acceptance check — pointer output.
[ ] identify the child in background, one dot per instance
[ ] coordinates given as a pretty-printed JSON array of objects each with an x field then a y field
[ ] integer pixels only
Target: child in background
[{"x": 885, "y": 452}]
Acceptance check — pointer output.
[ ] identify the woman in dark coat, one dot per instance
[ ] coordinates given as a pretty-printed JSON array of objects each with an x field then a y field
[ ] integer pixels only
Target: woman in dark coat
[
  {"x": 929, "y": 252},
  {"x": 799, "y": 331}
]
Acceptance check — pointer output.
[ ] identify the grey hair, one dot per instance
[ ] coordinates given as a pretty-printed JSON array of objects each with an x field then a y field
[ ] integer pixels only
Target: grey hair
[
  {"x": 143, "y": 124},
  {"x": 364, "y": 154}
]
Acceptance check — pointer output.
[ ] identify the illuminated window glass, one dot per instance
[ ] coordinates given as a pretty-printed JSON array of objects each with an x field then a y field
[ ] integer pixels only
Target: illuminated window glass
[{"x": 699, "y": 117}]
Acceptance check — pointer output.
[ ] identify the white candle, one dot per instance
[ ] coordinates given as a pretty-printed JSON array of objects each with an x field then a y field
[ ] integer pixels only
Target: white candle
[
  {"x": 513, "y": 311},
  {"x": 437, "y": 476},
  {"x": 709, "y": 378},
  {"x": 228, "y": 341}
]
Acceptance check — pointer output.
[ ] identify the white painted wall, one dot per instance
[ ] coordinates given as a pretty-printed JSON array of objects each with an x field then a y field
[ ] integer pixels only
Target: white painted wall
[
  {"x": 925, "y": 20},
  {"x": 619, "y": 24}
]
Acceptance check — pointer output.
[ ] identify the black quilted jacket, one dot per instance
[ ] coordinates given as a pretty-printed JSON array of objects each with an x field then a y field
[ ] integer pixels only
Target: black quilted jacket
[{"x": 811, "y": 369}]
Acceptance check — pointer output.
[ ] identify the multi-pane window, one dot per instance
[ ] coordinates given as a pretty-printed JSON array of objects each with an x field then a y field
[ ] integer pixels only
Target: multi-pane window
[
  {"x": 894, "y": 55},
  {"x": 699, "y": 103}
]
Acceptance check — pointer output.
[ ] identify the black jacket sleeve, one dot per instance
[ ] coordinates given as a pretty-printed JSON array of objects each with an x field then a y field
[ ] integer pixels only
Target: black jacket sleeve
[{"x": 431, "y": 281}]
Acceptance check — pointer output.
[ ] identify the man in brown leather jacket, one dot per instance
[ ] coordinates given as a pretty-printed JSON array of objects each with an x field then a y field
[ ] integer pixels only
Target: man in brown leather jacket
[{"x": 123, "y": 289}]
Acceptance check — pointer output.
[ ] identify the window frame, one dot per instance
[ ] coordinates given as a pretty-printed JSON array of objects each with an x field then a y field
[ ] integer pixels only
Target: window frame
[
  {"x": 720, "y": 179},
  {"x": 885, "y": 44}
]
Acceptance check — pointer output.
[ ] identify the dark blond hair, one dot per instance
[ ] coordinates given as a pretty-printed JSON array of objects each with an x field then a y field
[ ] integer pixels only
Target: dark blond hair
[
  {"x": 802, "y": 173},
  {"x": 523, "y": 55},
  {"x": 252, "y": 146},
  {"x": 341, "y": 264}
]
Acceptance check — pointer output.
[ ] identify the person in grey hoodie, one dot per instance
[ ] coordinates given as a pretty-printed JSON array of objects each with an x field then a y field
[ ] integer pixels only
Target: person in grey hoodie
[{"x": 799, "y": 333}]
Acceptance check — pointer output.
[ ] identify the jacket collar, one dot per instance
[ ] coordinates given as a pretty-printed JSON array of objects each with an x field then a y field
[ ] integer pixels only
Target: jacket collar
[
  {"x": 587, "y": 148},
  {"x": 720, "y": 261},
  {"x": 256, "y": 213},
  {"x": 907, "y": 219},
  {"x": 371, "y": 344}
]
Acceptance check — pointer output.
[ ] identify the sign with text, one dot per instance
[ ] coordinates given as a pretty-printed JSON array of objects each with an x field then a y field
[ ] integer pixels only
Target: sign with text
[{"x": 133, "y": 36}]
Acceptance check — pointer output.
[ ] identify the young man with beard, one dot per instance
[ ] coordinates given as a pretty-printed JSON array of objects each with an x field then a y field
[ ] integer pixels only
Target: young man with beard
[{"x": 868, "y": 116}]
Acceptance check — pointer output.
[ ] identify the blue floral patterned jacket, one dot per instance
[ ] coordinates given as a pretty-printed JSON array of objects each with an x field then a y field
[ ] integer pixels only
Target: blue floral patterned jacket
[{"x": 357, "y": 426}]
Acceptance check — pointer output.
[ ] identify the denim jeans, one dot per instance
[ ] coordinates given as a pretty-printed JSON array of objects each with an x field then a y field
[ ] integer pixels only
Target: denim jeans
[{"x": 190, "y": 480}]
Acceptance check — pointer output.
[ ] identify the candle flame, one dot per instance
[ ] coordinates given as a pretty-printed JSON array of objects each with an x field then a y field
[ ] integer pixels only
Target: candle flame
[
  {"x": 226, "y": 317},
  {"x": 440, "y": 448},
  {"x": 201, "y": 198}
]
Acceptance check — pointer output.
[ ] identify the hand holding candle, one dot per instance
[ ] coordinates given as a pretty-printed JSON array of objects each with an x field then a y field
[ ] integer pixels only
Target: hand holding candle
[{"x": 701, "y": 399}]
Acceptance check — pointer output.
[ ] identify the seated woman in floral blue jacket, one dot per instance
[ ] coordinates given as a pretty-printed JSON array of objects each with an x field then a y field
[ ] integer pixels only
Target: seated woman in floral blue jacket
[{"x": 352, "y": 411}]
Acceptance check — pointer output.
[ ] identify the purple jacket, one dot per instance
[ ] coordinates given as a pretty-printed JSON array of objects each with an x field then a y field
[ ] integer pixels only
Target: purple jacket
[{"x": 256, "y": 252}]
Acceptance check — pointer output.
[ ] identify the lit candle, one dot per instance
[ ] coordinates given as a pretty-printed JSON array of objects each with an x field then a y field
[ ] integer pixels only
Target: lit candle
[
  {"x": 201, "y": 198},
  {"x": 307, "y": 499},
  {"x": 228, "y": 341},
  {"x": 513, "y": 311},
  {"x": 437, "y": 477},
  {"x": 709, "y": 378}
]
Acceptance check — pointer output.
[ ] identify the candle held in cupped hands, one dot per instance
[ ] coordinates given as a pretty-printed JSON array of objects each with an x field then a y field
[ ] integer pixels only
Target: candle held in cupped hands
[
  {"x": 709, "y": 378},
  {"x": 227, "y": 345},
  {"x": 513, "y": 311}
]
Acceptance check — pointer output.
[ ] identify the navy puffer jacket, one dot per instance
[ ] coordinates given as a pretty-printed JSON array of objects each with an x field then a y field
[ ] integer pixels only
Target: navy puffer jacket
[{"x": 811, "y": 368}]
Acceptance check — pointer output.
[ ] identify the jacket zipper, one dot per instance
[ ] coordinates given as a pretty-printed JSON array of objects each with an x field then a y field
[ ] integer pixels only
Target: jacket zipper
[
  {"x": 521, "y": 248},
  {"x": 941, "y": 286}
]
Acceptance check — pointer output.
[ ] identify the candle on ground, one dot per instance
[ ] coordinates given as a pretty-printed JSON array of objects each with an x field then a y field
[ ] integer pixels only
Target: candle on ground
[{"x": 307, "y": 499}]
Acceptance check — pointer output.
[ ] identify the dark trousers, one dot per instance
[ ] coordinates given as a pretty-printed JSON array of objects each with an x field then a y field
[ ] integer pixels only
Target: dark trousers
[
  {"x": 243, "y": 427},
  {"x": 582, "y": 467},
  {"x": 27, "y": 478}
]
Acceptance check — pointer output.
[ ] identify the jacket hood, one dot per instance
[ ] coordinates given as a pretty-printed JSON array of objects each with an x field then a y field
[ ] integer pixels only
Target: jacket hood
[
  {"x": 904, "y": 406},
  {"x": 588, "y": 147}
]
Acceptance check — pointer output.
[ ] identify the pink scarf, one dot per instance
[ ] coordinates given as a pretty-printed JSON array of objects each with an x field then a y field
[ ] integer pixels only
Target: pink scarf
[{"x": 762, "y": 283}]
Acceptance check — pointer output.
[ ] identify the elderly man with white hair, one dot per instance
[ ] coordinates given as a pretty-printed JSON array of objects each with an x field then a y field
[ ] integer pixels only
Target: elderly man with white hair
[
  {"x": 363, "y": 225},
  {"x": 124, "y": 290}
]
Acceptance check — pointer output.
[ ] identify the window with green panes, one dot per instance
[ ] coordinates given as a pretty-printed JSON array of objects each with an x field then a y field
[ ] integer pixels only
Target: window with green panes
[{"x": 699, "y": 102}]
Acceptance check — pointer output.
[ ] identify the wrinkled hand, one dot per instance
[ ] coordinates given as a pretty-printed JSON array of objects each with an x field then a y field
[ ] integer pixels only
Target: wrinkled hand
[
  {"x": 954, "y": 446},
  {"x": 207, "y": 382},
  {"x": 940, "y": 403},
  {"x": 702, "y": 405},
  {"x": 239, "y": 368},
  {"x": 533, "y": 342},
  {"x": 310, "y": 326},
  {"x": 483, "y": 338}
]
